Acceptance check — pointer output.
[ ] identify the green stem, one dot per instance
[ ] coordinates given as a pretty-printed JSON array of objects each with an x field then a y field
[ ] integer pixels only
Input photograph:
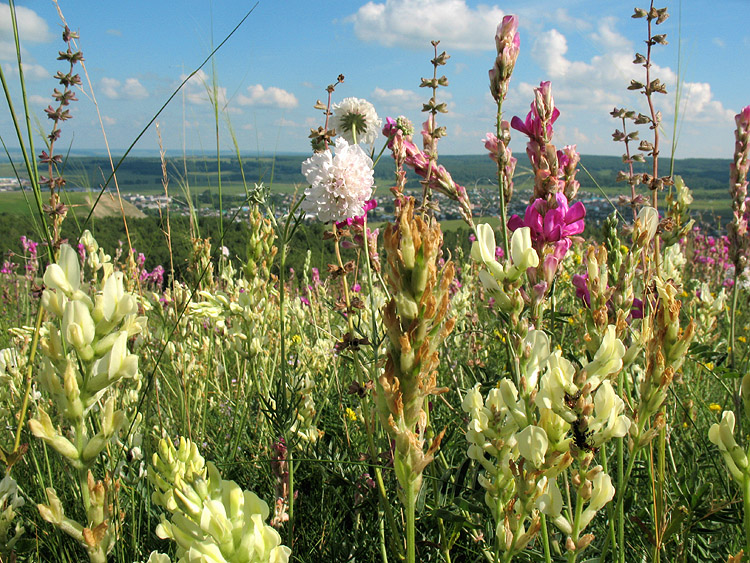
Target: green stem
[
  {"x": 411, "y": 504},
  {"x": 501, "y": 184},
  {"x": 290, "y": 528},
  {"x": 622, "y": 485},
  {"x": 610, "y": 509},
  {"x": 659, "y": 515},
  {"x": 746, "y": 506},
  {"x": 545, "y": 540},
  {"x": 572, "y": 555},
  {"x": 27, "y": 392},
  {"x": 732, "y": 320}
]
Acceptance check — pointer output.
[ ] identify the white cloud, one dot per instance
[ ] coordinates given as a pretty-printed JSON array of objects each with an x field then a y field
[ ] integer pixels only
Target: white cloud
[
  {"x": 31, "y": 27},
  {"x": 108, "y": 121},
  {"x": 31, "y": 71},
  {"x": 35, "y": 100},
  {"x": 414, "y": 23},
  {"x": 199, "y": 90},
  {"x": 285, "y": 123},
  {"x": 132, "y": 89},
  {"x": 699, "y": 104},
  {"x": 398, "y": 98},
  {"x": 608, "y": 38},
  {"x": 270, "y": 96},
  {"x": 586, "y": 90}
]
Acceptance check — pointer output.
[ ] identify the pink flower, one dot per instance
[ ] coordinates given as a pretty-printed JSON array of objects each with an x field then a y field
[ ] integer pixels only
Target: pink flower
[
  {"x": 533, "y": 127},
  {"x": 551, "y": 224}
]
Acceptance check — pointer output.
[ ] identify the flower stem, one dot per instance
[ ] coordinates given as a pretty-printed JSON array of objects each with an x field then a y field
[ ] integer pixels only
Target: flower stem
[
  {"x": 501, "y": 183},
  {"x": 572, "y": 555},
  {"x": 746, "y": 507},
  {"x": 732, "y": 320},
  {"x": 290, "y": 529},
  {"x": 30, "y": 367},
  {"x": 545, "y": 540},
  {"x": 411, "y": 501}
]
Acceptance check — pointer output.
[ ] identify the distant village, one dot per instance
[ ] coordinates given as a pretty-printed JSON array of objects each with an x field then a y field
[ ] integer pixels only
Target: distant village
[
  {"x": 13, "y": 184},
  {"x": 485, "y": 200}
]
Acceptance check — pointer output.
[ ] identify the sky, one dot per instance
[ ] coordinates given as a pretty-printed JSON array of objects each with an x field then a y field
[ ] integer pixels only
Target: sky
[{"x": 270, "y": 73}]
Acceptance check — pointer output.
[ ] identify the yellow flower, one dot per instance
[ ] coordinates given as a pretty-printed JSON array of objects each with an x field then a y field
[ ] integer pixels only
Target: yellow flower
[
  {"x": 742, "y": 339},
  {"x": 709, "y": 366},
  {"x": 714, "y": 407},
  {"x": 350, "y": 414},
  {"x": 296, "y": 339},
  {"x": 578, "y": 259},
  {"x": 624, "y": 249}
]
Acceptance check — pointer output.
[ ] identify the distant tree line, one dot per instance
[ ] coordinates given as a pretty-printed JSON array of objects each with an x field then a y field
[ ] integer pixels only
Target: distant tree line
[{"x": 705, "y": 173}]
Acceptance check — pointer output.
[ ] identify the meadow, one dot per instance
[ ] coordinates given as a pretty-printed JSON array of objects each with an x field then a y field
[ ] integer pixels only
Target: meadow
[{"x": 489, "y": 359}]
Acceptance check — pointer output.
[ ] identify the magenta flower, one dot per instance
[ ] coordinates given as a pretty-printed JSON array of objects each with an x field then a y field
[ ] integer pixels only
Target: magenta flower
[
  {"x": 543, "y": 114},
  {"x": 551, "y": 224},
  {"x": 359, "y": 219},
  {"x": 581, "y": 283}
]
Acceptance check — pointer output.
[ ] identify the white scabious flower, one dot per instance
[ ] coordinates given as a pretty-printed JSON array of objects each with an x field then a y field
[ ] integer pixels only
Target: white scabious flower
[
  {"x": 356, "y": 117},
  {"x": 340, "y": 184}
]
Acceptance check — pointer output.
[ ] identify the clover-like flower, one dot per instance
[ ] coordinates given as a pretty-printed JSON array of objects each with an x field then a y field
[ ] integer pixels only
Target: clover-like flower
[
  {"x": 339, "y": 185},
  {"x": 355, "y": 120}
]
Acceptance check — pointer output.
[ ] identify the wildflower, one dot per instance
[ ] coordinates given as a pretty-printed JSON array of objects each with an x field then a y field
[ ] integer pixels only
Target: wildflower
[
  {"x": 339, "y": 185},
  {"x": 714, "y": 407},
  {"x": 551, "y": 224},
  {"x": 350, "y": 414},
  {"x": 508, "y": 43},
  {"x": 356, "y": 121}
]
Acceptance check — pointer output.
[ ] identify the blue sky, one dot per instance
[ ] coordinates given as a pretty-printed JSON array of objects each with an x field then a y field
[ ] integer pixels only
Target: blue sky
[{"x": 271, "y": 72}]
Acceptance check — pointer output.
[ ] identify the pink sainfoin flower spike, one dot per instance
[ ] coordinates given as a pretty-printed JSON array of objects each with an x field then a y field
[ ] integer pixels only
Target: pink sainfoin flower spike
[
  {"x": 738, "y": 171},
  {"x": 438, "y": 177},
  {"x": 554, "y": 171},
  {"x": 508, "y": 43},
  {"x": 551, "y": 223}
]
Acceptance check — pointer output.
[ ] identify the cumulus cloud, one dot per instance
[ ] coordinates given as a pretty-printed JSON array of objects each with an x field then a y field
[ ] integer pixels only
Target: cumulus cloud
[
  {"x": 31, "y": 26},
  {"x": 35, "y": 100},
  {"x": 199, "y": 90},
  {"x": 131, "y": 89},
  {"x": 283, "y": 122},
  {"x": 414, "y": 23},
  {"x": 587, "y": 88},
  {"x": 31, "y": 71},
  {"x": 398, "y": 98},
  {"x": 599, "y": 84},
  {"x": 700, "y": 105},
  {"x": 258, "y": 95}
]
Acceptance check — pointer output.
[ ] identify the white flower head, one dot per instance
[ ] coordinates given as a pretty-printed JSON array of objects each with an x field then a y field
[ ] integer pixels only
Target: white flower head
[
  {"x": 339, "y": 185},
  {"x": 354, "y": 118}
]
